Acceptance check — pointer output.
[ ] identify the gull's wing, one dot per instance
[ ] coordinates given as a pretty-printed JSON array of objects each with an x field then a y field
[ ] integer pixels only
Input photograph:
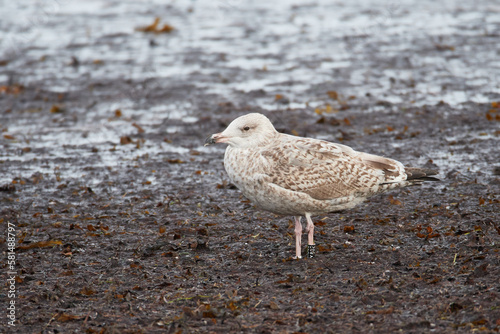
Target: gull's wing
[{"x": 326, "y": 170}]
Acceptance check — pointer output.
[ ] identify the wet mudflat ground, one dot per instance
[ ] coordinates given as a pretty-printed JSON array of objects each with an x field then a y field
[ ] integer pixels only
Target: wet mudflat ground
[{"x": 125, "y": 223}]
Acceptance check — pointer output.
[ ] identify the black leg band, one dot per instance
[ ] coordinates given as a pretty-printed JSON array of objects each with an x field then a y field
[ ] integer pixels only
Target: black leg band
[{"x": 311, "y": 251}]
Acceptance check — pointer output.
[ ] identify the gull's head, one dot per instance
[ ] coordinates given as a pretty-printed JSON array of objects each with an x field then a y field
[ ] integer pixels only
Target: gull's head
[{"x": 246, "y": 131}]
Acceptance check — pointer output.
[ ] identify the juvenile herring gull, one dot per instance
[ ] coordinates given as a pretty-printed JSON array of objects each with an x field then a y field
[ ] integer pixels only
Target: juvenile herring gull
[{"x": 290, "y": 175}]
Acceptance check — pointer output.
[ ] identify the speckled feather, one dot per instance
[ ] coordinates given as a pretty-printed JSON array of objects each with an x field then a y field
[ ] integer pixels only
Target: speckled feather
[{"x": 292, "y": 175}]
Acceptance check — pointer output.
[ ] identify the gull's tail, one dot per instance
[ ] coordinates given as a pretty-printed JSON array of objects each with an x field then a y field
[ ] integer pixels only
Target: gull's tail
[{"x": 419, "y": 175}]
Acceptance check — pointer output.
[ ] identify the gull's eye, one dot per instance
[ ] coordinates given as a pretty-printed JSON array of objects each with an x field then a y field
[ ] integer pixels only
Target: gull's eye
[{"x": 246, "y": 128}]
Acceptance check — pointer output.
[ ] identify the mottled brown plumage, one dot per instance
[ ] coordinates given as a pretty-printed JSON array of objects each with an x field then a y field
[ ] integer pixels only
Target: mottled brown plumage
[{"x": 297, "y": 176}]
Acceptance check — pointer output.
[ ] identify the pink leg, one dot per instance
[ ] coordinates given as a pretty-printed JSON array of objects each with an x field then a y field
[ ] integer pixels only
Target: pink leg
[
  {"x": 298, "y": 237},
  {"x": 310, "y": 230},
  {"x": 311, "y": 248}
]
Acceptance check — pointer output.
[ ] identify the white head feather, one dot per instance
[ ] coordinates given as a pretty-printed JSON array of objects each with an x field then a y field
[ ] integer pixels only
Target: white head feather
[{"x": 251, "y": 130}]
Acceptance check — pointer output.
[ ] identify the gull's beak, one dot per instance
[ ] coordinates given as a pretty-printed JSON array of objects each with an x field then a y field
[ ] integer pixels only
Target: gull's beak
[{"x": 216, "y": 138}]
